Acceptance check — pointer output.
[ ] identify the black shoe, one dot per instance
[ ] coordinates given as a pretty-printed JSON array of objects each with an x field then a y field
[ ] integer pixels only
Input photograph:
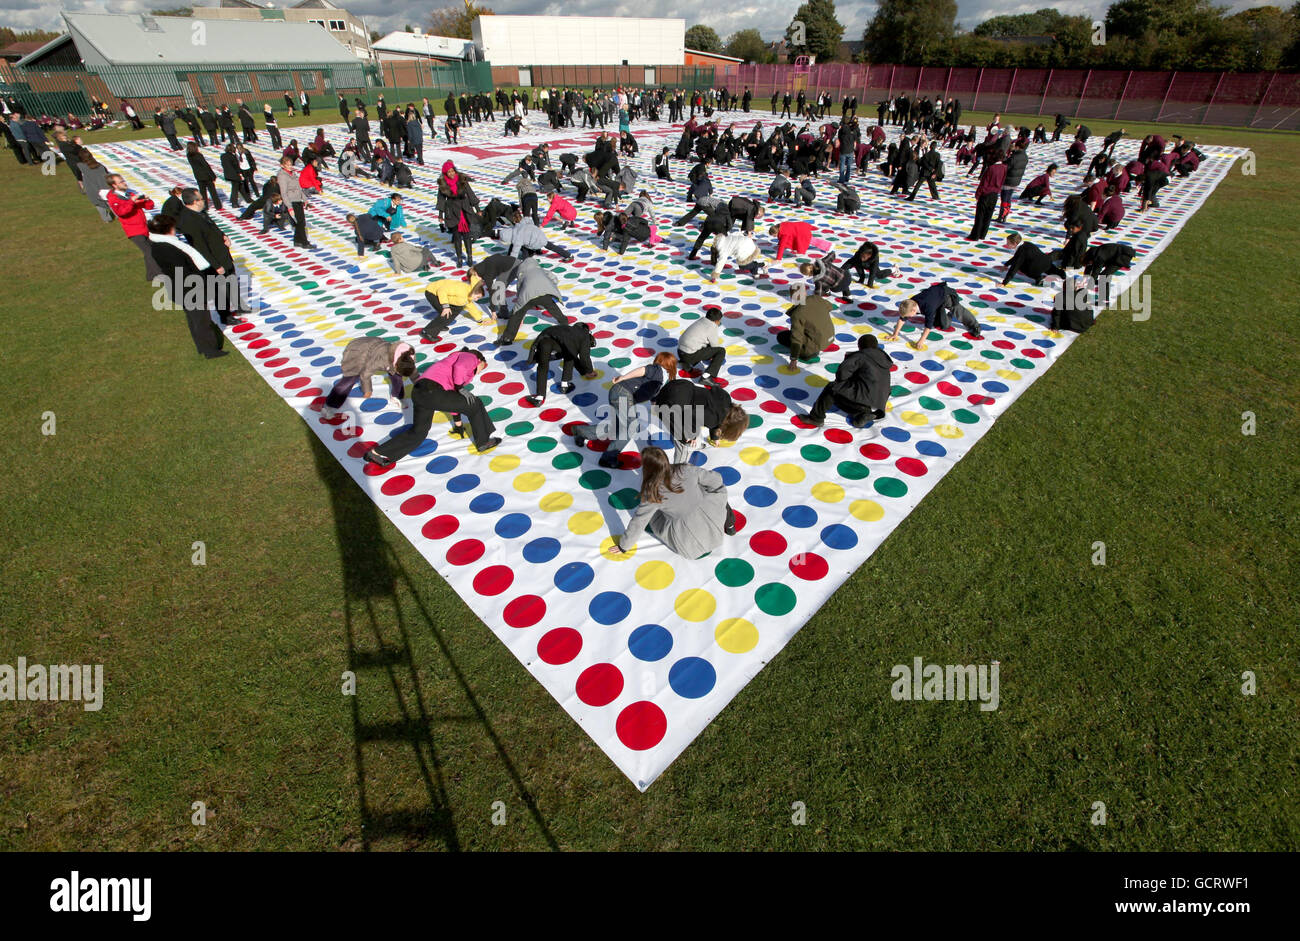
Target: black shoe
[
  {"x": 374, "y": 457},
  {"x": 457, "y": 430},
  {"x": 729, "y": 527},
  {"x": 610, "y": 461},
  {"x": 489, "y": 445},
  {"x": 427, "y": 335},
  {"x": 567, "y": 387},
  {"x": 815, "y": 422},
  {"x": 861, "y": 420},
  {"x": 534, "y": 400}
]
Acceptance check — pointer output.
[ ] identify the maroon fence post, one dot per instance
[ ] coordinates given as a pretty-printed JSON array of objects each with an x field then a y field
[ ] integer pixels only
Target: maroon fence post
[
  {"x": 979, "y": 80},
  {"x": 1213, "y": 94},
  {"x": 947, "y": 83},
  {"x": 1010, "y": 88},
  {"x": 892, "y": 69},
  {"x": 919, "y": 73},
  {"x": 1119, "y": 104},
  {"x": 1260, "y": 106},
  {"x": 1046, "y": 85},
  {"x": 1082, "y": 92},
  {"x": 1168, "y": 89}
]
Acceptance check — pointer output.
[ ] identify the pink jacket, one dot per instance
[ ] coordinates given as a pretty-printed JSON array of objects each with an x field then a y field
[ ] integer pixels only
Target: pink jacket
[
  {"x": 452, "y": 372},
  {"x": 565, "y": 208}
]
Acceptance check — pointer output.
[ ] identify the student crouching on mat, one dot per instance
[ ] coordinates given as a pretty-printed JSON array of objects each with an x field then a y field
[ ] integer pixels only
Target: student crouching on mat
[
  {"x": 811, "y": 329},
  {"x": 686, "y": 409},
  {"x": 937, "y": 304},
  {"x": 739, "y": 246},
  {"x": 828, "y": 277},
  {"x": 451, "y": 298},
  {"x": 1030, "y": 260},
  {"x": 365, "y": 357},
  {"x": 1040, "y": 187},
  {"x": 366, "y": 232},
  {"x": 535, "y": 289},
  {"x": 442, "y": 388},
  {"x": 408, "y": 256},
  {"x": 866, "y": 263},
  {"x": 572, "y": 344},
  {"x": 635, "y": 387},
  {"x": 686, "y": 505},
  {"x": 702, "y": 341},
  {"x": 860, "y": 387}
]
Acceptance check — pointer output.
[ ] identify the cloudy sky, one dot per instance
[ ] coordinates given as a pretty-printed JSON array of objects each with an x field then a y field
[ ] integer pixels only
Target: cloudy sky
[{"x": 386, "y": 15}]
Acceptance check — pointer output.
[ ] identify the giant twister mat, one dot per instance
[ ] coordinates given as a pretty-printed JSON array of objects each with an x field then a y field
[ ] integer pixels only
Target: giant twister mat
[{"x": 643, "y": 651}]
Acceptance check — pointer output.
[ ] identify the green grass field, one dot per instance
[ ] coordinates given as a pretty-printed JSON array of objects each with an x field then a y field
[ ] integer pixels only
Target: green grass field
[{"x": 1119, "y": 684}]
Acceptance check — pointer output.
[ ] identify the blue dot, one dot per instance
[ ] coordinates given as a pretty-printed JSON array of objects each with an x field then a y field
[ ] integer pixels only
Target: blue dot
[
  {"x": 692, "y": 677},
  {"x": 800, "y": 517},
  {"x": 698, "y": 458},
  {"x": 931, "y": 366},
  {"x": 542, "y": 550},
  {"x": 389, "y": 418},
  {"x": 730, "y": 476},
  {"x": 373, "y": 405},
  {"x": 902, "y": 354},
  {"x": 610, "y": 607},
  {"x": 759, "y": 496},
  {"x": 322, "y": 361},
  {"x": 767, "y": 382},
  {"x": 931, "y": 448},
  {"x": 574, "y": 576},
  {"x": 332, "y": 372},
  {"x": 312, "y": 351},
  {"x": 462, "y": 482},
  {"x": 299, "y": 344},
  {"x": 739, "y": 370},
  {"x": 995, "y": 387},
  {"x": 650, "y": 642},
  {"x": 838, "y": 536},
  {"x": 582, "y": 400},
  {"x": 513, "y": 525},
  {"x": 961, "y": 375},
  {"x": 896, "y": 434},
  {"x": 487, "y": 503},
  {"x": 427, "y": 446},
  {"x": 442, "y": 465}
]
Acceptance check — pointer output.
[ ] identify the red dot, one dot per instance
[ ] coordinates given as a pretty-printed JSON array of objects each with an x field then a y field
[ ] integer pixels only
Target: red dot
[
  {"x": 551, "y": 414},
  {"x": 599, "y": 684},
  {"x": 440, "y": 527},
  {"x": 875, "y": 452},
  {"x": 492, "y": 377},
  {"x": 979, "y": 400},
  {"x": 744, "y": 395},
  {"x": 917, "y": 378},
  {"x": 740, "y": 521},
  {"x": 493, "y": 580},
  {"x": 465, "y": 552},
  {"x": 374, "y": 470},
  {"x": 767, "y": 542},
  {"x": 808, "y": 566},
  {"x": 776, "y": 408},
  {"x": 1004, "y": 344},
  {"x": 947, "y": 388},
  {"x": 641, "y": 725},
  {"x": 360, "y": 448},
  {"x": 418, "y": 505},
  {"x": 910, "y": 466},
  {"x": 559, "y": 646},
  {"x": 397, "y": 485},
  {"x": 511, "y": 388},
  {"x": 297, "y": 382},
  {"x": 838, "y": 436},
  {"x": 524, "y": 611}
]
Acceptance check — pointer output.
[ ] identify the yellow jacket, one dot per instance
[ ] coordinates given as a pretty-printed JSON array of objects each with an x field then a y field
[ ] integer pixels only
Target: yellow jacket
[{"x": 452, "y": 292}]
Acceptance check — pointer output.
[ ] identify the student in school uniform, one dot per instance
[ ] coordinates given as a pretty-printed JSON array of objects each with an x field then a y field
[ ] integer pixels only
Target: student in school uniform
[
  {"x": 1030, "y": 260},
  {"x": 860, "y": 387},
  {"x": 451, "y": 297},
  {"x": 535, "y": 290},
  {"x": 1040, "y": 187},
  {"x": 571, "y": 344},
  {"x": 685, "y": 410},
  {"x": 866, "y": 263},
  {"x": 364, "y": 358},
  {"x": 442, "y": 388},
  {"x": 635, "y": 387},
  {"x": 686, "y": 505}
]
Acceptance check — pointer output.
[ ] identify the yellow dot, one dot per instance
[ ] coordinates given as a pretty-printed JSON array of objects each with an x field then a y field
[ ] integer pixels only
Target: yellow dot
[
  {"x": 867, "y": 510},
  {"x": 945, "y": 355},
  {"x": 977, "y": 364},
  {"x": 914, "y": 418},
  {"x": 1009, "y": 375},
  {"x": 669, "y": 324},
  {"x": 737, "y": 349},
  {"x": 760, "y": 359},
  {"x": 736, "y": 635},
  {"x": 828, "y": 492},
  {"x": 504, "y": 462},
  {"x": 754, "y": 456},
  {"x": 817, "y": 381},
  {"x": 605, "y": 545},
  {"x": 526, "y": 483},
  {"x": 695, "y": 604},
  {"x": 789, "y": 473},
  {"x": 335, "y": 334},
  {"x": 552, "y": 502},
  {"x": 655, "y": 575},
  {"x": 949, "y": 431},
  {"x": 788, "y": 370},
  {"x": 585, "y": 522}
]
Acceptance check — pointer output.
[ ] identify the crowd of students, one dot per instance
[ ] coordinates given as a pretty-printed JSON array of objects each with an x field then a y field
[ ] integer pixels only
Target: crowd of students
[{"x": 183, "y": 246}]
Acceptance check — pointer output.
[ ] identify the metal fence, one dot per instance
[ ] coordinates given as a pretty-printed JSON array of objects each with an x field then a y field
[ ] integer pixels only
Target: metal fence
[{"x": 1238, "y": 99}]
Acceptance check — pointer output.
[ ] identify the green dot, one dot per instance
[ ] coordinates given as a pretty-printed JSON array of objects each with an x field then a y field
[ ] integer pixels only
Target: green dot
[
  {"x": 599, "y": 352},
  {"x": 594, "y": 479},
  {"x": 1022, "y": 364},
  {"x": 624, "y": 499},
  {"x": 734, "y": 572},
  {"x": 620, "y": 362},
  {"x": 890, "y": 487},
  {"x": 852, "y": 470},
  {"x": 929, "y": 404},
  {"x": 898, "y": 392},
  {"x": 566, "y": 461},
  {"x": 309, "y": 285},
  {"x": 780, "y": 436},
  {"x": 991, "y": 354},
  {"x": 774, "y": 599},
  {"x": 541, "y": 445},
  {"x": 519, "y": 429},
  {"x": 965, "y": 417},
  {"x": 377, "y": 332},
  {"x": 960, "y": 344},
  {"x": 499, "y": 414},
  {"x": 755, "y": 421},
  {"x": 815, "y": 453}
]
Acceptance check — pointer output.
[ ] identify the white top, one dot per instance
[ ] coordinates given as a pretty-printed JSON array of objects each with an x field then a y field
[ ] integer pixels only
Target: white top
[{"x": 704, "y": 332}]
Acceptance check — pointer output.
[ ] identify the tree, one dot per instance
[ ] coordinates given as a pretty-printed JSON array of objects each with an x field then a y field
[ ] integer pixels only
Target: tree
[
  {"x": 174, "y": 11},
  {"x": 820, "y": 31},
  {"x": 457, "y": 22},
  {"x": 906, "y": 32},
  {"x": 748, "y": 44},
  {"x": 1267, "y": 34},
  {"x": 703, "y": 38}
]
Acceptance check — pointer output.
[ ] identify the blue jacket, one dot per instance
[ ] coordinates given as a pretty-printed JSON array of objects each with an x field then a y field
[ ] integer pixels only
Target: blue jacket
[{"x": 383, "y": 208}]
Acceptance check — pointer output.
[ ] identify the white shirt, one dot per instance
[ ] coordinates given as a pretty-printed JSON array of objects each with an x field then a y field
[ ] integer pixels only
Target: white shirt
[
  {"x": 734, "y": 245},
  {"x": 704, "y": 332}
]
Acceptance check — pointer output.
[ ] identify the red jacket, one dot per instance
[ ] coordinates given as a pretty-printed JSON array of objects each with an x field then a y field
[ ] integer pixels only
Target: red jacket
[
  {"x": 991, "y": 179},
  {"x": 308, "y": 178},
  {"x": 793, "y": 235},
  {"x": 129, "y": 213}
]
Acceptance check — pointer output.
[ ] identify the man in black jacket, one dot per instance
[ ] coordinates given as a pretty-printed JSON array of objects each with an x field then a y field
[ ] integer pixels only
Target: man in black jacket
[
  {"x": 745, "y": 211},
  {"x": 361, "y": 130},
  {"x": 572, "y": 343},
  {"x": 209, "y": 121},
  {"x": 227, "y": 122},
  {"x": 166, "y": 121},
  {"x": 930, "y": 171},
  {"x": 1016, "y": 162},
  {"x": 860, "y": 387},
  {"x": 246, "y": 122},
  {"x": 1029, "y": 260},
  {"x": 206, "y": 236}
]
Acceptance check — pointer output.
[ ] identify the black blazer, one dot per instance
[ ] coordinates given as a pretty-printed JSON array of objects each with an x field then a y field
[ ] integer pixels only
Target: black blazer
[
  {"x": 202, "y": 169},
  {"x": 205, "y": 235},
  {"x": 176, "y": 267}
]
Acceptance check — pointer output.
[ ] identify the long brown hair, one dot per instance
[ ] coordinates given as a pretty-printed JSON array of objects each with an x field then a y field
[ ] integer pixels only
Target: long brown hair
[
  {"x": 733, "y": 425},
  {"x": 668, "y": 363},
  {"x": 657, "y": 473}
]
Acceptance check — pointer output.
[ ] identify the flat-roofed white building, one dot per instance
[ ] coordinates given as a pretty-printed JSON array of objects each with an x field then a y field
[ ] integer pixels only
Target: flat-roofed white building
[{"x": 580, "y": 40}]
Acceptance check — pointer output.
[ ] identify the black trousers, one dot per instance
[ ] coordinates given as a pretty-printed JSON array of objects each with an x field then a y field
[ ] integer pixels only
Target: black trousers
[
  {"x": 829, "y": 399},
  {"x": 428, "y": 397},
  {"x": 546, "y": 302},
  {"x": 464, "y": 247},
  {"x": 172, "y": 141},
  {"x": 934, "y": 190},
  {"x": 276, "y": 142},
  {"x": 208, "y": 190},
  {"x": 236, "y": 189},
  {"x": 299, "y": 225},
  {"x": 433, "y": 329},
  {"x": 985, "y": 206},
  {"x": 714, "y": 354},
  {"x": 528, "y": 206},
  {"x": 544, "y": 368},
  {"x": 207, "y": 338}
]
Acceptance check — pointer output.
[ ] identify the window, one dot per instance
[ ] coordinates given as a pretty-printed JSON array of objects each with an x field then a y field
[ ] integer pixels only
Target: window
[
  {"x": 338, "y": 26},
  {"x": 525, "y": 78},
  {"x": 237, "y": 82},
  {"x": 275, "y": 81},
  {"x": 649, "y": 77},
  {"x": 207, "y": 84},
  {"x": 307, "y": 80}
]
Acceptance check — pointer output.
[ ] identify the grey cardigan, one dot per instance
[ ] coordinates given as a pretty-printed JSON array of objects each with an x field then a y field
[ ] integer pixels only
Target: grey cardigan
[{"x": 691, "y": 522}]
